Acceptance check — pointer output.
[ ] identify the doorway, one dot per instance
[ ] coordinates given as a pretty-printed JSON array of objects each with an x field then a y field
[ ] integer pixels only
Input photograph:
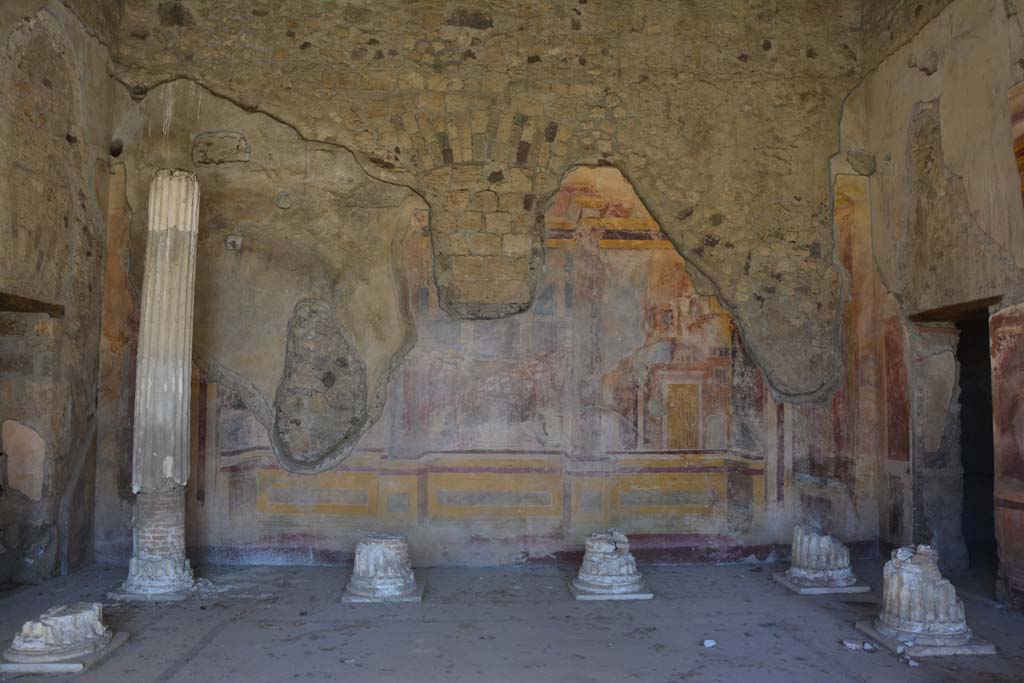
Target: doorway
[{"x": 976, "y": 445}]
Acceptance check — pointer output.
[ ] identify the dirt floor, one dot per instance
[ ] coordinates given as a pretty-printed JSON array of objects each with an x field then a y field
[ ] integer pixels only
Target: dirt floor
[{"x": 288, "y": 623}]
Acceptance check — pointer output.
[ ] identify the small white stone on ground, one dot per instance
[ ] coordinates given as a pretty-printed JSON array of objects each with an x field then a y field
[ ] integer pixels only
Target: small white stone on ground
[
  {"x": 851, "y": 645},
  {"x": 710, "y": 643}
]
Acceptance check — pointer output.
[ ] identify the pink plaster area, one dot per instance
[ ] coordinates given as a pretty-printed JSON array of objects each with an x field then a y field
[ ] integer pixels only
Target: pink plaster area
[
  {"x": 26, "y": 455},
  {"x": 1006, "y": 330}
]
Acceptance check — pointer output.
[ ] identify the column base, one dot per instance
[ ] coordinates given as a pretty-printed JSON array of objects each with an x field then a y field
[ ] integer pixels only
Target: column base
[
  {"x": 816, "y": 589},
  {"x": 974, "y": 646},
  {"x": 156, "y": 580}
]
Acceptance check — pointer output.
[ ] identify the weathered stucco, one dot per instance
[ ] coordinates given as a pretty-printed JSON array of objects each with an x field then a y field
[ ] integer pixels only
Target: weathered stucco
[
  {"x": 727, "y": 140},
  {"x": 283, "y": 221},
  {"x": 498, "y": 275},
  {"x": 54, "y": 113},
  {"x": 946, "y": 217}
]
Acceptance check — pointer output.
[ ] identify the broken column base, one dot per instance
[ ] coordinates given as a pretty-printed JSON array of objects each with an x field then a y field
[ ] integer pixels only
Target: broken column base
[
  {"x": 640, "y": 592},
  {"x": 68, "y": 666},
  {"x": 415, "y": 595},
  {"x": 66, "y": 638},
  {"x": 974, "y": 646},
  {"x": 382, "y": 572},
  {"x": 812, "y": 589},
  {"x": 608, "y": 570},
  {"x": 156, "y": 580}
]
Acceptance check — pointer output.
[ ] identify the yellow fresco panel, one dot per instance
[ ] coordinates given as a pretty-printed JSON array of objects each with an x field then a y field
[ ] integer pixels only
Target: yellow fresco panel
[
  {"x": 663, "y": 494},
  {"x": 399, "y": 497},
  {"x": 328, "y": 493},
  {"x": 683, "y": 413},
  {"x": 591, "y": 500},
  {"x": 493, "y": 495}
]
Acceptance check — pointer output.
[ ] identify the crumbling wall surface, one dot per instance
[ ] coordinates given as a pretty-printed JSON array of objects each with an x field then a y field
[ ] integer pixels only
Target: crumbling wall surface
[
  {"x": 947, "y": 217},
  {"x": 946, "y": 199},
  {"x": 299, "y": 306},
  {"x": 887, "y": 25},
  {"x": 935, "y": 447},
  {"x": 723, "y": 115},
  {"x": 54, "y": 89},
  {"x": 623, "y": 397}
]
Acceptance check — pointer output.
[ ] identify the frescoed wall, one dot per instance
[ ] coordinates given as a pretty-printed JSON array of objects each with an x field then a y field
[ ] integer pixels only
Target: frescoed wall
[{"x": 623, "y": 397}]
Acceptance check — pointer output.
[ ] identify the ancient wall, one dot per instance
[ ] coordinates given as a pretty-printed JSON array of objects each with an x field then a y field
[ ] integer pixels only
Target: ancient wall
[
  {"x": 727, "y": 139},
  {"x": 622, "y": 397},
  {"x": 462, "y": 277},
  {"x": 942, "y": 117},
  {"x": 307, "y": 340},
  {"x": 1007, "y": 342},
  {"x": 54, "y": 110}
]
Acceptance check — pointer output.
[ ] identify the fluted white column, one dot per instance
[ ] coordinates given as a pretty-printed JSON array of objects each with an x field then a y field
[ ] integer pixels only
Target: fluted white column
[{"x": 159, "y": 567}]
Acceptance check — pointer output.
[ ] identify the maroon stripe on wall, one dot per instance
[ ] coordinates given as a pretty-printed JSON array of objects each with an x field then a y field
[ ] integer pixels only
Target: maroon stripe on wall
[
  {"x": 780, "y": 457},
  {"x": 200, "y": 474}
]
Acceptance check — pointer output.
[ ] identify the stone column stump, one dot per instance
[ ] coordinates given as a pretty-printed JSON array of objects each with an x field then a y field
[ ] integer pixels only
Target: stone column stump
[
  {"x": 608, "y": 571},
  {"x": 381, "y": 572},
  {"x": 64, "y": 639},
  {"x": 920, "y": 610},
  {"x": 820, "y": 565}
]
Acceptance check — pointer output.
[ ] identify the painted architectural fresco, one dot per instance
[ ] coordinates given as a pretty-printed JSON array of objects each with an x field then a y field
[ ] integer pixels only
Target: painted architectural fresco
[
  {"x": 1006, "y": 330},
  {"x": 1016, "y": 102},
  {"x": 871, "y": 410},
  {"x": 623, "y": 398}
]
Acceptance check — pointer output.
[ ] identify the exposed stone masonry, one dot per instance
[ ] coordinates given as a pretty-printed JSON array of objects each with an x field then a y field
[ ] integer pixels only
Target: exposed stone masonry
[
  {"x": 483, "y": 116},
  {"x": 158, "y": 565}
]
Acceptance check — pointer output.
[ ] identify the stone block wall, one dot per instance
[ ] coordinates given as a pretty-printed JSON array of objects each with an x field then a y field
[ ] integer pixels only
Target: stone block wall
[
  {"x": 422, "y": 305},
  {"x": 54, "y": 135}
]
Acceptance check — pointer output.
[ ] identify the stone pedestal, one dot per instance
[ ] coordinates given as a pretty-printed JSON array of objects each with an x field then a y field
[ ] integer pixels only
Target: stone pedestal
[
  {"x": 158, "y": 569},
  {"x": 920, "y": 609},
  {"x": 608, "y": 571},
  {"x": 820, "y": 564},
  {"x": 61, "y": 633},
  {"x": 381, "y": 572}
]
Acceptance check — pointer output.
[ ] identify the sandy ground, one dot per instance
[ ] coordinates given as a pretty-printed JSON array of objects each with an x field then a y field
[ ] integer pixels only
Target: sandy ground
[{"x": 510, "y": 624}]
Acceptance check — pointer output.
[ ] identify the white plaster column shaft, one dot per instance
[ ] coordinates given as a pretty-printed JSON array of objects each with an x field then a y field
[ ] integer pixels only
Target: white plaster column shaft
[{"x": 160, "y": 456}]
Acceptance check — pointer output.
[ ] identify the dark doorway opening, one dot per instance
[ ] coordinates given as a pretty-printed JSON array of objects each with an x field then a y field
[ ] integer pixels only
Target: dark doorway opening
[{"x": 976, "y": 445}]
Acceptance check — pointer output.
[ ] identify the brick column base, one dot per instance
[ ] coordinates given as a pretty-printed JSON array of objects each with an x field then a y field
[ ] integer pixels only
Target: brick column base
[{"x": 159, "y": 568}]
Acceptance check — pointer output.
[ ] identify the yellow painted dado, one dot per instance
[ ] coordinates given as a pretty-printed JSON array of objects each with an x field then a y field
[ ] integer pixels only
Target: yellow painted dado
[
  {"x": 661, "y": 495},
  {"x": 328, "y": 493},
  {"x": 683, "y": 491},
  {"x": 493, "y": 495}
]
